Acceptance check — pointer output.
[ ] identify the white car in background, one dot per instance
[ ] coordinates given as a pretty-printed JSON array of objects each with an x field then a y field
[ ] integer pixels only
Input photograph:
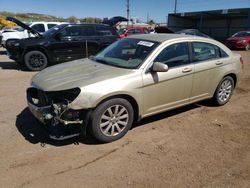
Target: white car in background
[{"x": 41, "y": 27}]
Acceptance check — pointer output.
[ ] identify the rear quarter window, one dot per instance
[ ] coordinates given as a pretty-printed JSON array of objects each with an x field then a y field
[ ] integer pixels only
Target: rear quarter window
[{"x": 104, "y": 31}]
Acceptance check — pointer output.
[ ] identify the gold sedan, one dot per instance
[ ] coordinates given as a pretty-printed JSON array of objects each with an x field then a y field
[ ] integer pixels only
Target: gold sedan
[{"x": 133, "y": 78}]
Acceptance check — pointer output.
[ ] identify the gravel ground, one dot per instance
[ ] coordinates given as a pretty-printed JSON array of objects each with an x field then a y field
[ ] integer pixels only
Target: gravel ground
[{"x": 194, "y": 146}]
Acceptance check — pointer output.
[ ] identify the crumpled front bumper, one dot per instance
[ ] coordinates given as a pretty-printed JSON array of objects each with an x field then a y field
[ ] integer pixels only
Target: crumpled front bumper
[
  {"x": 56, "y": 122},
  {"x": 39, "y": 112}
]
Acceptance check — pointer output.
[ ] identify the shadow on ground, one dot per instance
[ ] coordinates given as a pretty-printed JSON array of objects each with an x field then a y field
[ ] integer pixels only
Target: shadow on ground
[
  {"x": 10, "y": 65},
  {"x": 3, "y": 52},
  {"x": 34, "y": 132}
]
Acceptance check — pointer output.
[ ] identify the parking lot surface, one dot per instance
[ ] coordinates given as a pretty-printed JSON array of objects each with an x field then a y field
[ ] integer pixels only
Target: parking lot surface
[{"x": 194, "y": 146}]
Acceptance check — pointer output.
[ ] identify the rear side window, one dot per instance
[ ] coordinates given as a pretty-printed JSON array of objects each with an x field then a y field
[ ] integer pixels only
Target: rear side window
[
  {"x": 51, "y": 25},
  {"x": 103, "y": 31},
  {"x": 38, "y": 27},
  {"x": 174, "y": 55},
  {"x": 71, "y": 31},
  {"x": 87, "y": 30},
  {"x": 205, "y": 51}
]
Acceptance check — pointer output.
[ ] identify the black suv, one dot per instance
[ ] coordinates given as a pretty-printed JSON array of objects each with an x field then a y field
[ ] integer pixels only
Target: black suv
[{"x": 61, "y": 43}]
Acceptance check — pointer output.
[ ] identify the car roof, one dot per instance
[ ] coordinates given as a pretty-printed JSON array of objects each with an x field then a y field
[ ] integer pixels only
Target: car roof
[{"x": 163, "y": 37}]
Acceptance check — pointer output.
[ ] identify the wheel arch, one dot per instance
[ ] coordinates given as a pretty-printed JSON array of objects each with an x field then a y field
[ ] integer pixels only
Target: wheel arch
[
  {"x": 233, "y": 75},
  {"x": 127, "y": 97},
  {"x": 29, "y": 49}
]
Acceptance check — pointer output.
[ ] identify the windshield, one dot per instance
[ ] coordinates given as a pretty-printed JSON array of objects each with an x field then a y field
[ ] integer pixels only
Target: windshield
[
  {"x": 126, "y": 53},
  {"x": 242, "y": 34},
  {"x": 53, "y": 30}
]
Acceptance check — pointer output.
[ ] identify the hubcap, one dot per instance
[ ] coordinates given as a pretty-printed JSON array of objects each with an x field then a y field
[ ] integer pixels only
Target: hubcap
[
  {"x": 114, "y": 120},
  {"x": 225, "y": 90},
  {"x": 36, "y": 60}
]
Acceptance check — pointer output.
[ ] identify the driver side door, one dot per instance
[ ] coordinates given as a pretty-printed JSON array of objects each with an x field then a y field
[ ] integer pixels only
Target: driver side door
[{"x": 166, "y": 90}]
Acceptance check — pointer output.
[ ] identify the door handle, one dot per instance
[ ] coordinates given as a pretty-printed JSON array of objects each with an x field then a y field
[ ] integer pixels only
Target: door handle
[
  {"x": 187, "y": 69},
  {"x": 219, "y": 62}
]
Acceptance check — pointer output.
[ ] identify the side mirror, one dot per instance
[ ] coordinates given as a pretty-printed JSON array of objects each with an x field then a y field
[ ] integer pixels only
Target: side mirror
[
  {"x": 58, "y": 36},
  {"x": 159, "y": 67}
]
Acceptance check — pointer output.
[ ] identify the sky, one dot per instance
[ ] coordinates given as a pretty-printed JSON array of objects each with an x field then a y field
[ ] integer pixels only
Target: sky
[{"x": 156, "y": 9}]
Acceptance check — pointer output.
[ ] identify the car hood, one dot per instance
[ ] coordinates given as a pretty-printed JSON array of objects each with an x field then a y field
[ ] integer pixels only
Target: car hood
[
  {"x": 78, "y": 73},
  {"x": 23, "y": 25}
]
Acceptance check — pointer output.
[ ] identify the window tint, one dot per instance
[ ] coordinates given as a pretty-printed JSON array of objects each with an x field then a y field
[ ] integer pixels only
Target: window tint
[
  {"x": 51, "y": 25},
  {"x": 38, "y": 27},
  {"x": 205, "y": 51},
  {"x": 174, "y": 55},
  {"x": 103, "y": 31},
  {"x": 71, "y": 31},
  {"x": 87, "y": 30}
]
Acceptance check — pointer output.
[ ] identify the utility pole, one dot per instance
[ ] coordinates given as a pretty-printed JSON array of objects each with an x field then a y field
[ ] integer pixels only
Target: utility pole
[
  {"x": 128, "y": 5},
  {"x": 175, "y": 6}
]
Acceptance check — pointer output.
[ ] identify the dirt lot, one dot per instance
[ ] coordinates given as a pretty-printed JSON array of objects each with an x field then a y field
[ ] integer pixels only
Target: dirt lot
[{"x": 195, "y": 146}]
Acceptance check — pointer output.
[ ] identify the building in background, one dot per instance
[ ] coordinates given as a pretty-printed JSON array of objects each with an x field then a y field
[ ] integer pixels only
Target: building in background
[{"x": 219, "y": 24}]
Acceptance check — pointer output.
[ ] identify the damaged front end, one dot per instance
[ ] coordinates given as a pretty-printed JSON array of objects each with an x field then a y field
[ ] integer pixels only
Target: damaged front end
[{"x": 52, "y": 109}]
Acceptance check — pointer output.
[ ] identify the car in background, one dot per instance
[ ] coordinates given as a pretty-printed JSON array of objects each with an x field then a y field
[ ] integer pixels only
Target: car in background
[
  {"x": 7, "y": 30},
  {"x": 59, "y": 44},
  {"x": 161, "y": 29},
  {"x": 195, "y": 32},
  {"x": 240, "y": 40},
  {"x": 132, "y": 31},
  {"x": 133, "y": 78},
  {"x": 23, "y": 32}
]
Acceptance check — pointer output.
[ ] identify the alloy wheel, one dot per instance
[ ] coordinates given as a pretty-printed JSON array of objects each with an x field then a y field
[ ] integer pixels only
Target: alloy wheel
[
  {"x": 114, "y": 120},
  {"x": 225, "y": 90}
]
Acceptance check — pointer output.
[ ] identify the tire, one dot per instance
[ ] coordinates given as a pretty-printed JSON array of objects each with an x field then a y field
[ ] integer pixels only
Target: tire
[
  {"x": 247, "y": 47},
  {"x": 35, "y": 60},
  {"x": 111, "y": 120},
  {"x": 224, "y": 91}
]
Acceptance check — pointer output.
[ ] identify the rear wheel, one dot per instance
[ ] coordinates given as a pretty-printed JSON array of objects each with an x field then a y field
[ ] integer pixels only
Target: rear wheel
[
  {"x": 224, "y": 91},
  {"x": 112, "y": 119},
  {"x": 35, "y": 60}
]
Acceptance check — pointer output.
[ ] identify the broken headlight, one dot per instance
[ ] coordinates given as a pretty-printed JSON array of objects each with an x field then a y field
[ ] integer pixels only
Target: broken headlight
[{"x": 60, "y": 96}]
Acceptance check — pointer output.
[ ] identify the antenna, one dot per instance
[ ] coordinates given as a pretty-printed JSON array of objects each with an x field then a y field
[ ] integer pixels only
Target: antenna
[{"x": 128, "y": 6}]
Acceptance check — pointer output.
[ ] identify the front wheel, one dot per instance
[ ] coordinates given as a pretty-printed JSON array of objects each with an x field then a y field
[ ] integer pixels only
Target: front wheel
[
  {"x": 112, "y": 119},
  {"x": 35, "y": 60},
  {"x": 224, "y": 91}
]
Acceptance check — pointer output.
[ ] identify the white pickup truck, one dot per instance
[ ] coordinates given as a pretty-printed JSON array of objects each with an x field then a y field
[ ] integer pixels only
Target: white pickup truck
[{"x": 41, "y": 27}]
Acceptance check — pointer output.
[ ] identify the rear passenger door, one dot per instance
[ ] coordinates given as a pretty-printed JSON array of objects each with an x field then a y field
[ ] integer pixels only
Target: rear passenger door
[{"x": 206, "y": 58}]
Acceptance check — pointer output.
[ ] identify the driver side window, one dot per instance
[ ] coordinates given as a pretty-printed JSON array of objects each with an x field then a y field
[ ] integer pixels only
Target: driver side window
[{"x": 174, "y": 55}]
